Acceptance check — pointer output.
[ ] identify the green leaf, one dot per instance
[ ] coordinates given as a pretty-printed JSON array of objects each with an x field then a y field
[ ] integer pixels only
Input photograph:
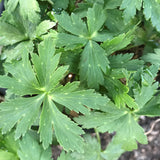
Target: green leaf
[
  {"x": 93, "y": 64},
  {"x": 41, "y": 83},
  {"x": 70, "y": 41},
  {"x": 151, "y": 11},
  {"x": 113, "y": 151},
  {"x": 111, "y": 4},
  {"x": 46, "y": 63},
  {"x": 60, "y": 4},
  {"x": 81, "y": 11},
  {"x": 72, "y": 24},
  {"x": 44, "y": 26},
  {"x": 24, "y": 81},
  {"x": 15, "y": 53},
  {"x": 30, "y": 149},
  {"x": 65, "y": 156},
  {"x": 5, "y": 155},
  {"x": 153, "y": 58},
  {"x": 149, "y": 74},
  {"x": 96, "y": 17},
  {"x": 130, "y": 7},
  {"x": 10, "y": 34},
  {"x": 52, "y": 116},
  {"x": 66, "y": 96},
  {"x": 92, "y": 150},
  {"x": 117, "y": 43},
  {"x": 124, "y": 61},
  {"x": 24, "y": 109},
  {"x": 11, "y": 5},
  {"x": 18, "y": 33},
  {"x": 152, "y": 108},
  {"x": 121, "y": 74},
  {"x": 102, "y": 36},
  {"x": 29, "y": 9},
  {"x": 8, "y": 147},
  {"x": 72, "y": 59},
  {"x": 8, "y": 143},
  {"x": 115, "y": 21},
  {"x": 119, "y": 93},
  {"x": 144, "y": 92},
  {"x": 122, "y": 122},
  {"x": 129, "y": 134}
]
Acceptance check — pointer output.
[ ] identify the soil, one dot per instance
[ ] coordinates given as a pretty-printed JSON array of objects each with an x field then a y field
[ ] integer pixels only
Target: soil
[{"x": 151, "y": 151}]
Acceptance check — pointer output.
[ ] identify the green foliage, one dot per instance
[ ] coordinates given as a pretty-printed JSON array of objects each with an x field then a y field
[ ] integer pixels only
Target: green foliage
[
  {"x": 93, "y": 62},
  {"x": 73, "y": 65},
  {"x": 127, "y": 132},
  {"x": 60, "y": 4},
  {"x": 8, "y": 147},
  {"x": 117, "y": 43},
  {"x": 151, "y": 11},
  {"x": 43, "y": 80},
  {"x": 29, "y": 148},
  {"x": 28, "y": 9},
  {"x": 25, "y": 149},
  {"x": 18, "y": 33},
  {"x": 130, "y": 7},
  {"x": 124, "y": 61},
  {"x": 146, "y": 90},
  {"x": 92, "y": 151},
  {"x": 153, "y": 58}
]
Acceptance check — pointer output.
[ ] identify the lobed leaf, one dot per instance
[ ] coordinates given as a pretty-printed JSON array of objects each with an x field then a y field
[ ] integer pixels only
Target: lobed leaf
[
  {"x": 151, "y": 109},
  {"x": 72, "y": 24},
  {"x": 44, "y": 26},
  {"x": 119, "y": 93},
  {"x": 144, "y": 92},
  {"x": 122, "y": 122},
  {"x": 96, "y": 17},
  {"x": 66, "y": 96},
  {"x": 64, "y": 131},
  {"x": 112, "y": 4},
  {"x": 29, "y": 10},
  {"x": 153, "y": 58},
  {"x": 60, "y": 4},
  {"x": 92, "y": 151},
  {"x": 9, "y": 34},
  {"x": 70, "y": 42},
  {"x": 93, "y": 64},
  {"x": 40, "y": 84},
  {"x": 151, "y": 11},
  {"x": 24, "y": 109},
  {"x": 93, "y": 61},
  {"x": 30, "y": 149},
  {"x": 130, "y": 7},
  {"x": 15, "y": 53},
  {"x": 7, "y": 155},
  {"x": 125, "y": 61},
  {"x": 117, "y": 43}
]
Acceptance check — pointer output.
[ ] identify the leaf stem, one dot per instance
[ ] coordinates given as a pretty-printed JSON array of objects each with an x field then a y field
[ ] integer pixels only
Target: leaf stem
[{"x": 98, "y": 136}]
